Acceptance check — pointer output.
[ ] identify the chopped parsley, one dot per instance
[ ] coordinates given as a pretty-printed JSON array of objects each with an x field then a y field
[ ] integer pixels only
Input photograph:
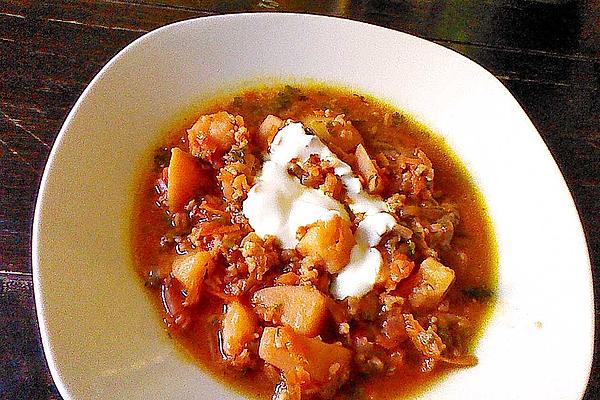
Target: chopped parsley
[
  {"x": 237, "y": 101},
  {"x": 284, "y": 98},
  {"x": 478, "y": 292},
  {"x": 411, "y": 248}
]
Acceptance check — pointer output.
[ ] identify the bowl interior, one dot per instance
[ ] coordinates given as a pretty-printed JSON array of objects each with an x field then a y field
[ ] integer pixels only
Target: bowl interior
[{"x": 101, "y": 334}]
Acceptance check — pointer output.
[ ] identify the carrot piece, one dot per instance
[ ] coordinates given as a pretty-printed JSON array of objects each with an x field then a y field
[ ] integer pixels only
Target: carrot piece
[
  {"x": 303, "y": 308},
  {"x": 308, "y": 361},
  {"x": 238, "y": 328},
  {"x": 329, "y": 241},
  {"x": 186, "y": 178},
  {"x": 190, "y": 270}
]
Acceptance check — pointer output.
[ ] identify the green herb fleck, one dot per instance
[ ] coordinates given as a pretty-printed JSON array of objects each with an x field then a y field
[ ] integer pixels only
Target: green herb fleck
[
  {"x": 411, "y": 248},
  {"x": 478, "y": 292},
  {"x": 237, "y": 101},
  {"x": 361, "y": 97},
  {"x": 397, "y": 119},
  {"x": 285, "y": 97},
  {"x": 228, "y": 243}
]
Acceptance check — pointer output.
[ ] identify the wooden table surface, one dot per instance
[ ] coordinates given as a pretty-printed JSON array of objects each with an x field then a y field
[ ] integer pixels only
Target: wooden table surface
[{"x": 547, "y": 55}]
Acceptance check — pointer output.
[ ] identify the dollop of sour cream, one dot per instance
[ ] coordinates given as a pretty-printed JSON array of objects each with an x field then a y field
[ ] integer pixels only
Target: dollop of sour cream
[
  {"x": 278, "y": 205},
  {"x": 358, "y": 277}
]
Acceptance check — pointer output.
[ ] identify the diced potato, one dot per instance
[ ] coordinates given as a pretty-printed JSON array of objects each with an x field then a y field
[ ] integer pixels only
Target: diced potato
[
  {"x": 212, "y": 135},
  {"x": 434, "y": 279},
  {"x": 239, "y": 328},
  {"x": 303, "y": 308},
  {"x": 190, "y": 270},
  {"x": 309, "y": 361},
  {"x": 368, "y": 170},
  {"x": 337, "y": 131},
  {"x": 329, "y": 241},
  {"x": 268, "y": 129},
  {"x": 185, "y": 180}
]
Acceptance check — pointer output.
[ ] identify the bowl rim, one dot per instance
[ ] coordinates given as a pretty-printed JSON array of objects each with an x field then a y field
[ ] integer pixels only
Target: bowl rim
[{"x": 36, "y": 226}]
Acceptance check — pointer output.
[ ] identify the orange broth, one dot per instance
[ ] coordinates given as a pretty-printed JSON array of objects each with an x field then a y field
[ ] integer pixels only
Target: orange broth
[{"x": 471, "y": 296}]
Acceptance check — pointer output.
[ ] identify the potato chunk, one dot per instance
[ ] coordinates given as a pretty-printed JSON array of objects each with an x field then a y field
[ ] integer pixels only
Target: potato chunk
[
  {"x": 267, "y": 130},
  {"x": 328, "y": 241},
  {"x": 213, "y": 135},
  {"x": 433, "y": 281},
  {"x": 186, "y": 178},
  {"x": 303, "y": 308},
  {"x": 190, "y": 270},
  {"x": 334, "y": 131},
  {"x": 307, "y": 361},
  {"x": 239, "y": 328}
]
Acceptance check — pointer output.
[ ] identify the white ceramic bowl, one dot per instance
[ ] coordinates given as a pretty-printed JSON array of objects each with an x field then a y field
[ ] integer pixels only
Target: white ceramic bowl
[{"x": 102, "y": 336}]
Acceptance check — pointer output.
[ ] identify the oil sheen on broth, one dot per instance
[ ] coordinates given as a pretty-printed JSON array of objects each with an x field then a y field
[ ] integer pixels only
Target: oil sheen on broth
[{"x": 442, "y": 222}]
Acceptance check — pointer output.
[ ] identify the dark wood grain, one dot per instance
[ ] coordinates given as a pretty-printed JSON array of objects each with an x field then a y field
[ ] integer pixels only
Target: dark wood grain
[
  {"x": 24, "y": 372},
  {"x": 547, "y": 55},
  {"x": 18, "y": 187},
  {"x": 567, "y": 29}
]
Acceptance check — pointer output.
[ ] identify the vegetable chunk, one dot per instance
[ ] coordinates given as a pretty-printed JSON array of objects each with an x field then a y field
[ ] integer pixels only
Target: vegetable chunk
[
  {"x": 368, "y": 170},
  {"x": 306, "y": 361},
  {"x": 303, "y": 308},
  {"x": 213, "y": 135},
  {"x": 239, "y": 328},
  {"x": 186, "y": 178},
  {"x": 190, "y": 270},
  {"x": 334, "y": 131},
  {"x": 268, "y": 129},
  {"x": 426, "y": 341},
  {"x": 328, "y": 241},
  {"x": 434, "y": 280}
]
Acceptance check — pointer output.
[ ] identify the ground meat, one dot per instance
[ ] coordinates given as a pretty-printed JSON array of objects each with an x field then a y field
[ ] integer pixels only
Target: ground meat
[
  {"x": 260, "y": 255},
  {"x": 425, "y": 341},
  {"x": 318, "y": 174}
]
